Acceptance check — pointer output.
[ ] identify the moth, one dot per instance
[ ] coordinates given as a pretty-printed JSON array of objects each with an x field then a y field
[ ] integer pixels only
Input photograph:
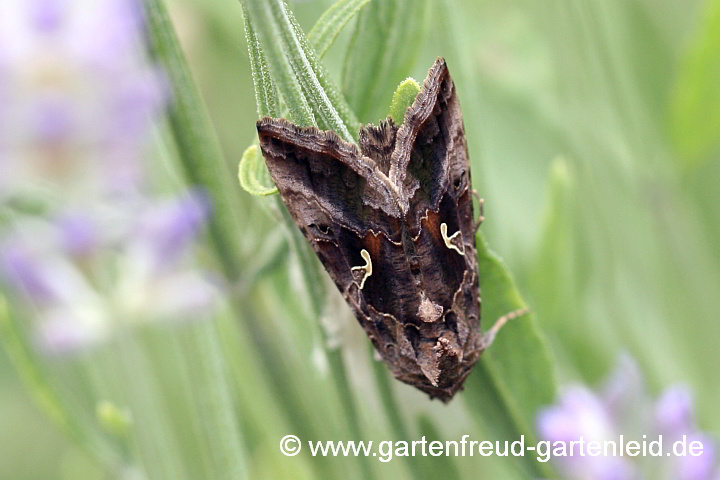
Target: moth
[{"x": 391, "y": 219}]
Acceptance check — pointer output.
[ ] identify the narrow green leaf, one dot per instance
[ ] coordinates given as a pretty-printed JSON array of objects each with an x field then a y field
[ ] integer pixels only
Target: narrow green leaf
[
  {"x": 337, "y": 99},
  {"x": 198, "y": 147},
  {"x": 265, "y": 50},
  {"x": 311, "y": 97},
  {"x": 384, "y": 382},
  {"x": 36, "y": 381},
  {"x": 557, "y": 251},
  {"x": 266, "y": 96},
  {"x": 253, "y": 173},
  {"x": 322, "y": 95},
  {"x": 560, "y": 256},
  {"x": 260, "y": 15},
  {"x": 695, "y": 120},
  {"x": 31, "y": 373},
  {"x": 438, "y": 467},
  {"x": 215, "y": 406},
  {"x": 515, "y": 376},
  {"x": 403, "y": 98},
  {"x": 330, "y": 24},
  {"x": 556, "y": 254},
  {"x": 500, "y": 296},
  {"x": 386, "y": 43}
]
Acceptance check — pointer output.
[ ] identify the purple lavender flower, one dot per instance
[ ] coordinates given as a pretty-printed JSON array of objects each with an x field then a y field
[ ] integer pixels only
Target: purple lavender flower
[
  {"x": 172, "y": 225},
  {"x": 77, "y": 96},
  {"x": 61, "y": 267},
  {"x": 46, "y": 15},
  {"x": 624, "y": 408},
  {"x": 26, "y": 272}
]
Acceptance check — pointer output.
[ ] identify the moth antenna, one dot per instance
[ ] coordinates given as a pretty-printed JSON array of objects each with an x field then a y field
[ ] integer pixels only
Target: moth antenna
[
  {"x": 481, "y": 202},
  {"x": 489, "y": 337}
]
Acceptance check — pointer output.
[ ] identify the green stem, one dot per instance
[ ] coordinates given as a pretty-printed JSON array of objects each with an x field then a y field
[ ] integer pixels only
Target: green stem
[
  {"x": 323, "y": 34},
  {"x": 216, "y": 409},
  {"x": 34, "y": 376},
  {"x": 288, "y": 396},
  {"x": 200, "y": 154},
  {"x": 397, "y": 425},
  {"x": 315, "y": 288},
  {"x": 159, "y": 451},
  {"x": 198, "y": 147}
]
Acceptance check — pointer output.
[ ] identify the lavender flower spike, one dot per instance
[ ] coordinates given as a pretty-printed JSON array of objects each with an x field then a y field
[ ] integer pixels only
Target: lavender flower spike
[
  {"x": 77, "y": 97},
  {"x": 625, "y": 409}
]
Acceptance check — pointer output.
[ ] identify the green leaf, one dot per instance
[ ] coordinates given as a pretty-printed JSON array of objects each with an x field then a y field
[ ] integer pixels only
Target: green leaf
[
  {"x": 328, "y": 101},
  {"x": 403, "y": 98},
  {"x": 382, "y": 52},
  {"x": 330, "y": 24},
  {"x": 695, "y": 121},
  {"x": 310, "y": 95},
  {"x": 266, "y": 96},
  {"x": 438, "y": 467},
  {"x": 260, "y": 17},
  {"x": 557, "y": 252},
  {"x": 253, "y": 173},
  {"x": 515, "y": 376},
  {"x": 265, "y": 50},
  {"x": 559, "y": 282},
  {"x": 34, "y": 375}
]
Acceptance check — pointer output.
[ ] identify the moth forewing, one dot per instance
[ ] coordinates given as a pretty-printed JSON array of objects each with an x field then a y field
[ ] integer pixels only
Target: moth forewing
[{"x": 391, "y": 219}]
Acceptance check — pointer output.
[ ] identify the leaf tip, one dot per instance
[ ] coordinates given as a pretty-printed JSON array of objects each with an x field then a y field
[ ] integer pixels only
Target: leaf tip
[
  {"x": 253, "y": 174},
  {"x": 403, "y": 98}
]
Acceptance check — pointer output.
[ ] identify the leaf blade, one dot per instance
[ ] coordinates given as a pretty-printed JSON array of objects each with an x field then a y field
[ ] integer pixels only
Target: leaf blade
[
  {"x": 515, "y": 377},
  {"x": 695, "y": 113},
  {"x": 323, "y": 34},
  {"x": 253, "y": 174},
  {"x": 382, "y": 53},
  {"x": 266, "y": 96},
  {"x": 262, "y": 18},
  {"x": 325, "y": 98},
  {"x": 403, "y": 98}
]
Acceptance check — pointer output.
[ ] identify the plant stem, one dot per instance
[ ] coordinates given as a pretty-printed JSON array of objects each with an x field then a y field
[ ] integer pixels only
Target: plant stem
[{"x": 198, "y": 147}]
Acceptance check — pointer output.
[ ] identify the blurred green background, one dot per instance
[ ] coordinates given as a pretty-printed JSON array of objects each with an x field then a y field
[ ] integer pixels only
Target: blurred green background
[{"x": 594, "y": 132}]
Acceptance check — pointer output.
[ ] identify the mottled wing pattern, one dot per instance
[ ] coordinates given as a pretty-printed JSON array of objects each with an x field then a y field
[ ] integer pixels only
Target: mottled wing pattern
[
  {"x": 432, "y": 164},
  {"x": 392, "y": 222},
  {"x": 431, "y": 157},
  {"x": 341, "y": 201}
]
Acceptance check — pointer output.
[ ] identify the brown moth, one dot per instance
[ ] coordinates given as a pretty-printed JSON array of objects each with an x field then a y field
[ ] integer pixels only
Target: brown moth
[{"x": 391, "y": 219}]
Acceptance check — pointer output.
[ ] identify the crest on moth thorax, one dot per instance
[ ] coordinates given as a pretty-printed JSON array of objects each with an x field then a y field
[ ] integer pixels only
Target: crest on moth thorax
[{"x": 391, "y": 219}]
